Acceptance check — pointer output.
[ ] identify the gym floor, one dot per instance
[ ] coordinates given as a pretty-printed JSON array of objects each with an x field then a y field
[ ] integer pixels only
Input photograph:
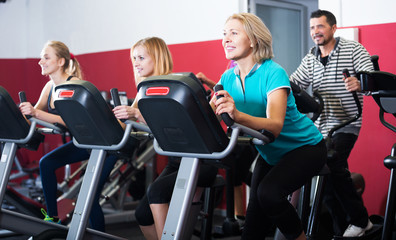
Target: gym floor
[
  {"x": 121, "y": 224},
  {"x": 130, "y": 230},
  {"x": 127, "y": 230}
]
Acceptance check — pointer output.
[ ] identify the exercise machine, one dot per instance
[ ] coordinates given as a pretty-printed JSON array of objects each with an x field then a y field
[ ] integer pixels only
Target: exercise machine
[
  {"x": 16, "y": 132},
  {"x": 114, "y": 199},
  {"x": 93, "y": 126},
  {"x": 178, "y": 114},
  {"x": 313, "y": 220},
  {"x": 382, "y": 87}
]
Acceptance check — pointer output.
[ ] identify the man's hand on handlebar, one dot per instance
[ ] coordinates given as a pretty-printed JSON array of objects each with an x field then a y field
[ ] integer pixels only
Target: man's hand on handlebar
[{"x": 352, "y": 84}]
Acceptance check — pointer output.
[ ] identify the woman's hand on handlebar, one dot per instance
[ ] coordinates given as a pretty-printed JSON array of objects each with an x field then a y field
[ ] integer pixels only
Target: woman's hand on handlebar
[
  {"x": 128, "y": 112},
  {"x": 352, "y": 84},
  {"x": 27, "y": 109},
  {"x": 205, "y": 80},
  {"x": 225, "y": 104}
]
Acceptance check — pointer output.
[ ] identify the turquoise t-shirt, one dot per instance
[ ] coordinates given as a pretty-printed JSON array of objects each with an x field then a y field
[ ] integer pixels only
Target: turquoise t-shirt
[{"x": 298, "y": 130}]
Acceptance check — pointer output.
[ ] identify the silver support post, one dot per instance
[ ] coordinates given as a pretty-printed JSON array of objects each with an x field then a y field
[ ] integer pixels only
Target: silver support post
[
  {"x": 7, "y": 158},
  {"x": 182, "y": 197},
  {"x": 86, "y": 195}
]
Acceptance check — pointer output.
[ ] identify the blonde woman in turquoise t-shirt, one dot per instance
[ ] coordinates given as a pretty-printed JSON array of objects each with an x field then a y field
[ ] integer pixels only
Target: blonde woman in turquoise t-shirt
[{"x": 257, "y": 94}]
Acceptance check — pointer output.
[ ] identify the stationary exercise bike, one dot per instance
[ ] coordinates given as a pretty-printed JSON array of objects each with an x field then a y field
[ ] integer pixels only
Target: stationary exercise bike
[
  {"x": 16, "y": 132},
  {"x": 313, "y": 220},
  {"x": 184, "y": 125},
  {"x": 113, "y": 194},
  {"x": 382, "y": 87}
]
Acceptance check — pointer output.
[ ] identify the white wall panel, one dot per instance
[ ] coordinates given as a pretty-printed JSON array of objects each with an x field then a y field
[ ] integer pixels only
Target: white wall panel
[
  {"x": 97, "y": 25},
  {"x": 360, "y": 12},
  {"x": 88, "y": 26}
]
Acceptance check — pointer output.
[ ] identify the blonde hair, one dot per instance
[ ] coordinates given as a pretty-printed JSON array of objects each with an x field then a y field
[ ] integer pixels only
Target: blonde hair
[
  {"x": 71, "y": 66},
  {"x": 258, "y": 33},
  {"x": 159, "y": 52}
]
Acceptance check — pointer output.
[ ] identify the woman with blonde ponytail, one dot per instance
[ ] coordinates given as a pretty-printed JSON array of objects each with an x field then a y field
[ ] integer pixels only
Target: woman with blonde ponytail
[{"x": 60, "y": 66}]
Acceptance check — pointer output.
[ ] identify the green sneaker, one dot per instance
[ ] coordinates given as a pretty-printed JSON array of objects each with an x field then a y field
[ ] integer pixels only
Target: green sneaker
[{"x": 50, "y": 219}]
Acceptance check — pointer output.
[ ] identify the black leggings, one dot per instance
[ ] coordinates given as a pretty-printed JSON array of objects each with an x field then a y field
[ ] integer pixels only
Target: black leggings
[
  {"x": 239, "y": 162},
  {"x": 160, "y": 191},
  {"x": 271, "y": 185},
  {"x": 341, "y": 197}
]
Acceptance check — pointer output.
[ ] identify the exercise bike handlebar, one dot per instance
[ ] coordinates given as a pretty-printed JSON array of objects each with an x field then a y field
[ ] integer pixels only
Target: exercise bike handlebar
[
  {"x": 226, "y": 118},
  {"x": 374, "y": 60},
  {"x": 116, "y": 100},
  {"x": 257, "y": 137},
  {"x": 22, "y": 98},
  {"x": 117, "y": 146},
  {"x": 115, "y": 96},
  {"x": 128, "y": 129},
  {"x": 346, "y": 74},
  {"x": 139, "y": 126},
  {"x": 48, "y": 127},
  {"x": 26, "y": 139}
]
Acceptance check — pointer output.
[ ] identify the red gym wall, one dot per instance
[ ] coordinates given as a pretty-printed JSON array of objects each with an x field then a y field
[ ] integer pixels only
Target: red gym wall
[
  {"x": 113, "y": 69},
  {"x": 375, "y": 141}
]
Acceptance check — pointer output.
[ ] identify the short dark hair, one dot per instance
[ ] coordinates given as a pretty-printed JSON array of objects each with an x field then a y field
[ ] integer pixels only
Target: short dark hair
[{"x": 330, "y": 18}]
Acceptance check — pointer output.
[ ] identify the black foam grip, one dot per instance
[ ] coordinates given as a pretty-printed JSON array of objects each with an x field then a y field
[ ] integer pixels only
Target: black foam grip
[
  {"x": 22, "y": 98},
  {"x": 268, "y": 134},
  {"x": 295, "y": 87},
  {"x": 115, "y": 97},
  {"x": 374, "y": 60},
  {"x": 226, "y": 118},
  {"x": 345, "y": 72}
]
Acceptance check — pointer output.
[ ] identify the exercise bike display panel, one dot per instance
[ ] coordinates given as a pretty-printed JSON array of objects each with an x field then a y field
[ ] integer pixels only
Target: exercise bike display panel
[
  {"x": 79, "y": 102},
  {"x": 382, "y": 86},
  {"x": 176, "y": 109},
  {"x": 17, "y": 122}
]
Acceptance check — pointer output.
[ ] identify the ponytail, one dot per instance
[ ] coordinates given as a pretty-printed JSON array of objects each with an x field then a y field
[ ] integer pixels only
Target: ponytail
[{"x": 71, "y": 66}]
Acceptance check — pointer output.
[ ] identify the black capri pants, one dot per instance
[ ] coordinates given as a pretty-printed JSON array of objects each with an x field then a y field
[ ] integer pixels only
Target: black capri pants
[
  {"x": 160, "y": 191},
  {"x": 268, "y": 204}
]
